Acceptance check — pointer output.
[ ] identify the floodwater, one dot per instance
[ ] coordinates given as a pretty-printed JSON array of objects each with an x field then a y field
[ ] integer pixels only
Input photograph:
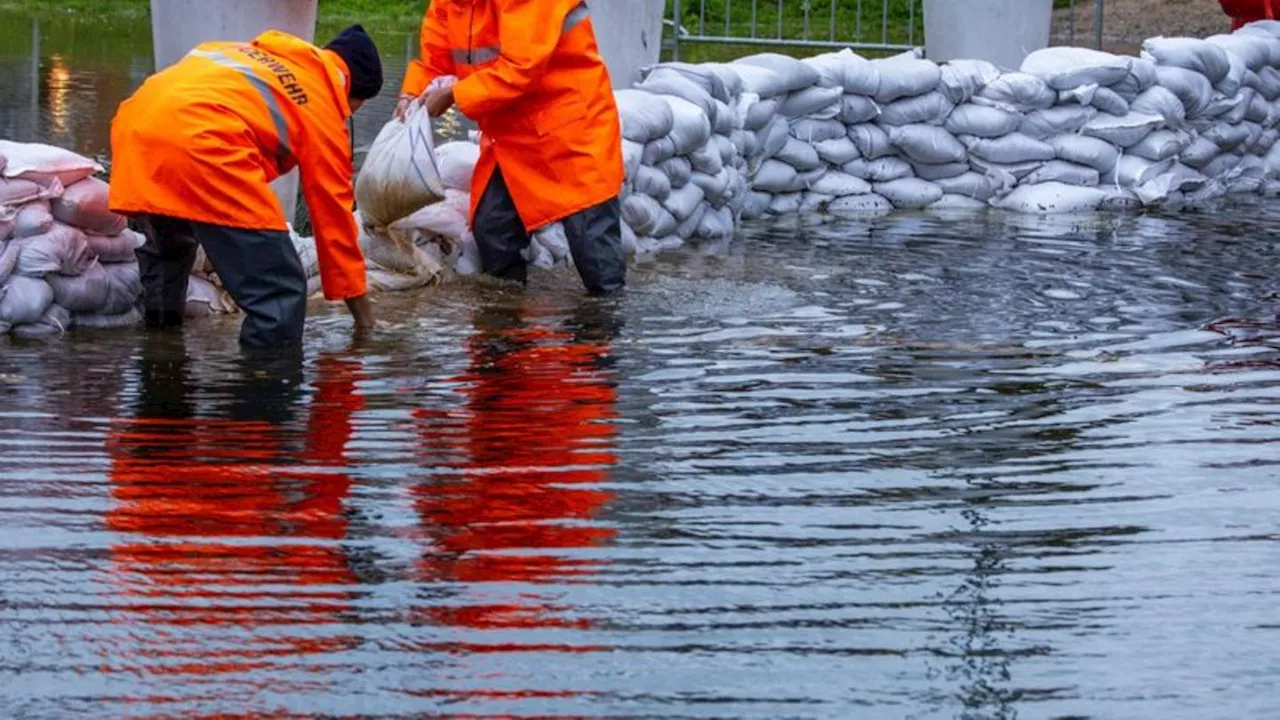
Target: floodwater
[{"x": 916, "y": 467}]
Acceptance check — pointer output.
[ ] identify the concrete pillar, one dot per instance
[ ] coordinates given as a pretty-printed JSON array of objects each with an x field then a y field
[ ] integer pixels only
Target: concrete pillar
[
  {"x": 177, "y": 26},
  {"x": 1003, "y": 32},
  {"x": 629, "y": 33}
]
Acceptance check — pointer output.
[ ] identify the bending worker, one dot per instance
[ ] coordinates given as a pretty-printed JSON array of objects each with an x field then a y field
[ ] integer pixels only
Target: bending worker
[
  {"x": 530, "y": 75},
  {"x": 194, "y": 151}
]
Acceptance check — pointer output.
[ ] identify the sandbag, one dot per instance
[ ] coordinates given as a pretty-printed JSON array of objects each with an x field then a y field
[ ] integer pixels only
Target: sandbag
[
  {"x": 1007, "y": 174},
  {"x": 982, "y": 121},
  {"x": 1255, "y": 51},
  {"x": 86, "y": 292},
  {"x": 792, "y": 74},
  {"x": 8, "y": 218},
  {"x": 1226, "y": 108},
  {"x": 1063, "y": 68},
  {"x": 55, "y": 321},
  {"x": 1190, "y": 54},
  {"x": 1258, "y": 109},
  {"x": 691, "y": 128},
  {"x": 759, "y": 114},
  {"x": 706, "y": 159},
  {"x": 1090, "y": 152},
  {"x": 682, "y": 202},
  {"x": 756, "y": 205},
  {"x": 957, "y": 203},
  {"x": 1123, "y": 131},
  {"x": 33, "y": 218},
  {"x": 644, "y": 117},
  {"x": 647, "y": 216},
  {"x": 1109, "y": 101},
  {"x": 929, "y": 171},
  {"x": 204, "y": 299},
  {"x": 1042, "y": 124},
  {"x": 1142, "y": 77},
  {"x": 839, "y": 184},
  {"x": 855, "y": 109},
  {"x": 653, "y": 183},
  {"x": 1199, "y": 153},
  {"x": 632, "y": 157},
  {"x": 689, "y": 225},
  {"x": 830, "y": 68},
  {"x": 1050, "y": 198},
  {"x": 668, "y": 82},
  {"x": 677, "y": 169},
  {"x": 715, "y": 188},
  {"x": 1161, "y": 145},
  {"x": 837, "y": 152},
  {"x": 1013, "y": 148},
  {"x": 1268, "y": 83},
  {"x": 970, "y": 184},
  {"x": 1064, "y": 172},
  {"x": 860, "y": 206},
  {"x": 800, "y": 155},
  {"x": 812, "y": 202},
  {"x": 716, "y": 224},
  {"x": 1193, "y": 89},
  {"x": 927, "y": 144},
  {"x": 871, "y": 140},
  {"x": 816, "y": 131},
  {"x": 24, "y": 300},
  {"x": 85, "y": 205},
  {"x": 813, "y": 102},
  {"x": 96, "y": 321},
  {"x": 447, "y": 219},
  {"x": 909, "y": 193},
  {"x": 905, "y": 76},
  {"x": 1132, "y": 170},
  {"x": 8, "y": 258},
  {"x": 1161, "y": 102},
  {"x": 17, "y": 192},
  {"x": 1017, "y": 92},
  {"x": 1226, "y": 136},
  {"x": 401, "y": 173},
  {"x": 805, "y": 180},
  {"x": 114, "y": 249},
  {"x": 960, "y": 80},
  {"x": 43, "y": 164},
  {"x": 786, "y": 204},
  {"x": 846, "y": 70},
  {"x": 773, "y": 177},
  {"x": 774, "y": 137},
  {"x": 931, "y": 108},
  {"x": 1221, "y": 165},
  {"x": 63, "y": 250},
  {"x": 883, "y": 169}
]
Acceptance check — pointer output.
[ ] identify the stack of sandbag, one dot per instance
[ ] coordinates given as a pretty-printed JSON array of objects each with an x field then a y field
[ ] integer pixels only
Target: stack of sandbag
[{"x": 65, "y": 259}]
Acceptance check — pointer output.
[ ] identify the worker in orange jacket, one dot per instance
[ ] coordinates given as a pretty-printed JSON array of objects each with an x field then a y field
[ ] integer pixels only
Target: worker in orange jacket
[
  {"x": 194, "y": 152},
  {"x": 530, "y": 75}
]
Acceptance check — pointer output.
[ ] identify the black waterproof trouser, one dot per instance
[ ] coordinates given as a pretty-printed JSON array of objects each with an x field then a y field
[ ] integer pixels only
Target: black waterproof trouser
[
  {"x": 594, "y": 234},
  {"x": 259, "y": 268}
]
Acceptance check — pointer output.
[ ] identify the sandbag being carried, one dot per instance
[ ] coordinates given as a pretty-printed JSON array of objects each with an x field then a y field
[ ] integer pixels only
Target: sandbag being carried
[
  {"x": 401, "y": 173},
  {"x": 43, "y": 164}
]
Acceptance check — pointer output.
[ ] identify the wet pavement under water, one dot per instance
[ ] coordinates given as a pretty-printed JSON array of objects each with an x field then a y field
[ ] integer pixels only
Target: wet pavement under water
[{"x": 915, "y": 467}]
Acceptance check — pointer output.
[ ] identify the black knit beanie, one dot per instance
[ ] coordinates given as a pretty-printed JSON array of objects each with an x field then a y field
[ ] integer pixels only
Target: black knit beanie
[{"x": 361, "y": 55}]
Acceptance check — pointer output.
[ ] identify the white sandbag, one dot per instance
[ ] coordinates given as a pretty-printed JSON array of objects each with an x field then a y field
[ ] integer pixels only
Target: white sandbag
[
  {"x": 1090, "y": 152},
  {"x": 1192, "y": 88},
  {"x": 691, "y": 128},
  {"x": 33, "y": 218},
  {"x": 839, "y": 184},
  {"x": 1063, "y": 68},
  {"x": 1234, "y": 81},
  {"x": 982, "y": 121},
  {"x": 1221, "y": 165},
  {"x": 716, "y": 224},
  {"x": 1017, "y": 92},
  {"x": 678, "y": 170},
  {"x": 872, "y": 141},
  {"x": 1258, "y": 109},
  {"x": 54, "y": 322},
  {"x": 1191, "y": 54},
  {"x": 401, "y": 172},
  {"x": 932, "y": 108},
  {"x": 786, "y": 204},
  {"x": 813, "y": 102},
  {"x": 116, "y": 248},
  {"x": 647, "y": 216},
  {"x": 774, "y": 137},
  {"x": 930, "y": 171},
  {"x": 1121, "y": 131},
  {"x": 860, "y": 206},
  {"x": 8, "y": 258},
  {"x": 653, "y": 183},
  {"x": 960, "y": 80},
  {"x": 883, "y": 169},
  {"x": 1007, "y": 174},
  {"x": 837, "y": 152},
  {"x": 971, "y": 184},
  {"x": 715, "y": 188},
  {"x": 1226, "y": 136},
  {"x": 17, "y": 192},
  {"x": 1178, "y": 178},
  {"x": 97, "y": 321},
  {"x": 1043, "y": 124},
  {"x": 1013, "y": 148},
  {"x": 927, "y": 144},
  {"x": 799, "y": 155},
  {"x": 1050, "y": 198},
  {"x": 1161, "y": 102},
  {"x": 63, "y": 250},
  {"x": 830, "y": 68},
  {"x": 756, "y": 205},
  {"x": 759, "y": 114},
  {"x": 43, "y": 164},
  {"x": 805, "y": 180},
  {"x": 669, "y": 82},
  {"x": 100, "y": 289},
  {"x": 745, "y": 143},
  {"x": 909, "y": 193},
  {"x": 1267, "y": 140},
  {"x": 816, "y": 131},
  {"x": 905, "y": 76},
  {"x": 812, "y": 202},
  {"x": 957, "y": 204},
  {"x": 689, "y": 225},
  {"x": 1109, "y": 101},
  {"x": 855, "y": 109},
  {"x": 205, "y": 299},
  {"x": 846, "y": 70},
  {"x": 1269, "y": 83},
  {"x": 24, "y": 300},
  {"x": 8, "y": 218},
  {"x": 1132, "y": 170},
  {"x": 632, "y": 156},
  {"x": 773, "y": 177},
  {"x": 85, "y": 205},
  {"x": 706, "y": 159},
  {"x": 644, "y": 117},
  {"x": 629, "y": 242},
  {"x": 1161, "y": 145},
  {"x": 1227, "y": 108},
  {"x": 1255, "y": 51},
  {"x": 793, "y": 74},
  {"x": 683, "y": 201},
  {"x": 1200, "y": 152},
  {"x": 718, "y": 79},
  {"x": 457, "y": 162},
  {"x": 1142, "y": 77},
  {"x": 446, "y": 219},
  {"x": 1068, "y": 173}
]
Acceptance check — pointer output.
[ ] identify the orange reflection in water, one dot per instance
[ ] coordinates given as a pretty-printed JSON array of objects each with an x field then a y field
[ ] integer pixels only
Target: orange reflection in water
[
  {"x": 232, "y": 525},
  {"x": 536, "y": 431}
]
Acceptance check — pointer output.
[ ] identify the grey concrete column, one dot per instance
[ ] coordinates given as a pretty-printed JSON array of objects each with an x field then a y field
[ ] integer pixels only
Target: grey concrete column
[
  {"x": 177, "y": 26},
  {"x": 629, "y": 33},
  {"x": 1003, "y": 32}
]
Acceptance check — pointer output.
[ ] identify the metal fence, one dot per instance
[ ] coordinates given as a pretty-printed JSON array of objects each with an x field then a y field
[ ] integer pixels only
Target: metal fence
[{"x": 865, "y": 25}]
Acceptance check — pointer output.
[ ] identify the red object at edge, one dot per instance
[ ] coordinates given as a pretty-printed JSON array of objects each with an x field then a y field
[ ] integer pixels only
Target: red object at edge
[{"x": 1244, "y": 12}]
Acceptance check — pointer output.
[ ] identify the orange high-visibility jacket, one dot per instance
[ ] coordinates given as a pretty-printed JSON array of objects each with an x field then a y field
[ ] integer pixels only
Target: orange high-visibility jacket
[
  {"x": 202, "y": 139},
  {"x": 532, "y": 78}
]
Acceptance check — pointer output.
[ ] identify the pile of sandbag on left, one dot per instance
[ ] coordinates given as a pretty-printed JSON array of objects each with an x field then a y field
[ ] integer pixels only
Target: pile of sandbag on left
[{"x": 65, "y": 259}]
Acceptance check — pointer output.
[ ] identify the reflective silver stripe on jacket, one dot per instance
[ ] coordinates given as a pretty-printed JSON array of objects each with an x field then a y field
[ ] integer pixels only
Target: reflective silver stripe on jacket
[
  {"x": 284, "y": 151},
  {"x": 482, "y": 55}
]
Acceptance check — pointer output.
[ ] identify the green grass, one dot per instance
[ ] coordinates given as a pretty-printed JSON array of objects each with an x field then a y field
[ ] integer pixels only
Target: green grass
[{"x": 383, "y": 14}]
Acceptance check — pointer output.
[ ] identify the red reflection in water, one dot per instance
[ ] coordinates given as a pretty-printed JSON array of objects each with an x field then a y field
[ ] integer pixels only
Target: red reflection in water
[
  {"x": 537, "y": 428},
  {"x": 231, "y": 526}
]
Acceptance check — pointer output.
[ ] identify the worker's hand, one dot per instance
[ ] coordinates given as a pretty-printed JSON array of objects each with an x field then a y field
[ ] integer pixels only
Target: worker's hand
[
  {"x": 439, "y": 100},
  {"x": 362, "y": 312},
  {"x": 402, "y": 105}
]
